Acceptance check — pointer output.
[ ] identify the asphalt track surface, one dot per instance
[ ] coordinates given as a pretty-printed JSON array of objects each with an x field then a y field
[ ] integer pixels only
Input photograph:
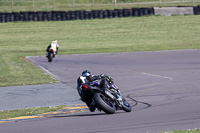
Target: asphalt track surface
[{"x": 162, "y": 87}]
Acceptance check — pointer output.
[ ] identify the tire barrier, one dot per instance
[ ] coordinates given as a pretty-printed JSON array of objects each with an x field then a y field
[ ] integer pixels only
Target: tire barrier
[
  {"x": 78, "y": 15},
  {"x": 196, "y": 10},
  {"x": 73, "y": 15}
]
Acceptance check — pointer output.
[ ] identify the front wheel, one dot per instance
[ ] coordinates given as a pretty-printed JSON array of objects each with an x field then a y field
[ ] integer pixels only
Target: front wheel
[
  {"x": 104, "y": 104},
  {"x": 126, "y": 106}
]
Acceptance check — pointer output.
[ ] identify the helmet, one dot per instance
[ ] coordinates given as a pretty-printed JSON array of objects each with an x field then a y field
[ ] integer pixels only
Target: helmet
[
  {"x": 86, "y": 73},
  {"x": 52, "y": 42},
  {"x": 56, "y": 41}
]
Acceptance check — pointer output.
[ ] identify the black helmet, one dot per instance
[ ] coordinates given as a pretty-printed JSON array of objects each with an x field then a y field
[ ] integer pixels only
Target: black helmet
[{"x": 86, "y": 73}]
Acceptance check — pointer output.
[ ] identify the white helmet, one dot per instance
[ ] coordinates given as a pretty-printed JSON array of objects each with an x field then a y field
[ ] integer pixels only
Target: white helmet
[{"x": 56, "y": 41}]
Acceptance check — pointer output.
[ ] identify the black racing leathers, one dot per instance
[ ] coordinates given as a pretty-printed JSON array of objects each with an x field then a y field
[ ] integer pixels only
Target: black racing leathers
[{"x": 83, "y": 79}]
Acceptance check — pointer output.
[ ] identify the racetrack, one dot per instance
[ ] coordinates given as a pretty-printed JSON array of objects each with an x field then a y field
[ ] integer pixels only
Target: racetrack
[{"x": 162, "y": 87}]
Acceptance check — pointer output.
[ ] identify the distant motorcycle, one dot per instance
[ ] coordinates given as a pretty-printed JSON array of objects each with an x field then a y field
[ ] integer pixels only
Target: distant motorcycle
[
  {"x": 108, "y": 100},
  {"x": 51, "y": 55}
]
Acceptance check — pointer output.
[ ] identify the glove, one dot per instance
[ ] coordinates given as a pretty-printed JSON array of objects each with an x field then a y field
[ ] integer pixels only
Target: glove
[
  {"x": 103, "y": 76},
  {"x": 110, "y": 79}
]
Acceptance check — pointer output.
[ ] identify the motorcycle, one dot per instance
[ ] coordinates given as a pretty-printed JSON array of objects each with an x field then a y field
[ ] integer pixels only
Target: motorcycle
[
  {"x": 108, "y": 100},
  {"x": 51, "y": 55}
]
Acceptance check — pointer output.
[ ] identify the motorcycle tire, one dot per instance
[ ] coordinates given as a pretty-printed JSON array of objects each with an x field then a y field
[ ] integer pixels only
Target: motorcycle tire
[
  {"x": 107, "y": 107},
  {"x": 126, "y": 106},
  {"x": 50, "y": 57}
]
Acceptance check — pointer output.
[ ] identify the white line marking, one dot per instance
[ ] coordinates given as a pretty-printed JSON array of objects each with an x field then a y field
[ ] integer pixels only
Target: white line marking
[
  {"x": 170, "y": 78},
  {"x": 47, "y": 71}
]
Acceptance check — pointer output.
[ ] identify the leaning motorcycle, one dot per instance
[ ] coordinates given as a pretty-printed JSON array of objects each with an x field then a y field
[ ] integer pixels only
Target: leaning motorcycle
[
  {"x": 51, "y": 55},
  {"x": 107, "y": 100}
]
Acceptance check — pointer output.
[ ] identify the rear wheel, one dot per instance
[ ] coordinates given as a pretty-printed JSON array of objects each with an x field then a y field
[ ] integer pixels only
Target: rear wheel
[
  {"x": 104, "y": 103},
  {"x": 50, "y": 57}
]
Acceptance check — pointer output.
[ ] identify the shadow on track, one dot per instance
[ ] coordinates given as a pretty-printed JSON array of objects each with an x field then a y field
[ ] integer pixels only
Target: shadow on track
[
  {"x": 90, "y": 114},
  {"x": 101, "y": 113}
]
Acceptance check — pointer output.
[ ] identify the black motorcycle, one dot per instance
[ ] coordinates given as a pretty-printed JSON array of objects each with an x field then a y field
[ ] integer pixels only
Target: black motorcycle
[
  {"x": 108, "y": 100},
  {"x": 51, "y": 55}
]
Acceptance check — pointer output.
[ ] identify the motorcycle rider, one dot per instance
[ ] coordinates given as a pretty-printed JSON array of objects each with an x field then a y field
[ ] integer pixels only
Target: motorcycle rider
[
  {"x": 54, "y": 45},
  {"x": 85, "y": 77}
]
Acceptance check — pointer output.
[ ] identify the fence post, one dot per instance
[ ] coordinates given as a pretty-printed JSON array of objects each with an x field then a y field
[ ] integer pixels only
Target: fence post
[
  {"x": 33, "y": 4},
  {"x": 138, "y": 3},
  {"x": 12, "y": 4},
  {"x": 73, "y": 3},
  {"x": 92, "y": 3},
  {"x": 53, "y": 4},
  {"x": 115, "y": 3}
]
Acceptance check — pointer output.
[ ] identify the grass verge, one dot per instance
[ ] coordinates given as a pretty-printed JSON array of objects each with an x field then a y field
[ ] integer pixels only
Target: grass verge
[
  {"x": 20, "y": 39},
  {"x": 186, "y": 131},
  {"x": 28, "y": 112}
]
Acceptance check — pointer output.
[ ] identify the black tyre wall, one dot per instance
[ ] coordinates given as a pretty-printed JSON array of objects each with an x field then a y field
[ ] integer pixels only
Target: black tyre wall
[
  {"x": 78, "y": 15},
  {"x": 71, "y": 15},
  {"x": 196, "y": 10}
]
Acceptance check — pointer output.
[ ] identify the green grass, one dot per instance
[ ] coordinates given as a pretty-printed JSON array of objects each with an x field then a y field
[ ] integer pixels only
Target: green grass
[
  {"x": 186, "y": 131},
  {"x": 21, "y": 39},
  {"x": 152, "y": 33},
  {"x": 48, "y": 5},
  {"x": 28, "y": 112}
]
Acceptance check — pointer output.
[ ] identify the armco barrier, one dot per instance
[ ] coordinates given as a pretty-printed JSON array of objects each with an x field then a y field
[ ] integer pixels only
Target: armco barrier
[
  {"x": 78, "y": 15},
  {"x": 73, "y": 15}
]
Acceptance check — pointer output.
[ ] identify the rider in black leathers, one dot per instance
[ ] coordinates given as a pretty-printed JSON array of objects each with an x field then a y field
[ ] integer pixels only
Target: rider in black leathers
[{"x": 86, "y": 76}]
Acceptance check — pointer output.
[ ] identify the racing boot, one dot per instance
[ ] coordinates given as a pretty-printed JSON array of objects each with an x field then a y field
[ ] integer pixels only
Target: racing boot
[{"x": 92, "y": 107}]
